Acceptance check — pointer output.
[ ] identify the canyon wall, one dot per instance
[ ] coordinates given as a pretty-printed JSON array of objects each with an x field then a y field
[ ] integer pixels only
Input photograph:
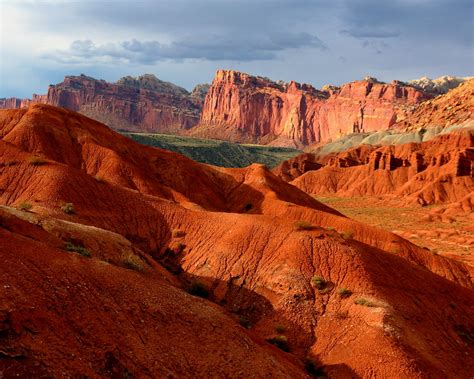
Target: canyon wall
[
  {"x": 243, "y": 108},
  {"x": 264, "y": 111}
]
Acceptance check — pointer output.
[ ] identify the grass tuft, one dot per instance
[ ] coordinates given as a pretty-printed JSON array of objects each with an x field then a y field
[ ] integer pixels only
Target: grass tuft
[
  {"x": 78, "y": 249},
  {"x": 280, "y": 329},
  {"x": 364, "y": 302},
  {"x": 281, "y": 342},
  {"x": 25, "y": 206},
  {"x": 133, "y": 262},
  {"x": 178, "y": 233},
  {"x": 197, "y": 288},
  {"x": 303, "y": 225},
  {"x": 344, "y": 293},
  {"x": 68, "y": 208},
  {"x": 348, "y": 235},
  {"x": 36, "y": 161},
  {"x": 245, "y": 322},
  {"x": 319, "y": 282}
]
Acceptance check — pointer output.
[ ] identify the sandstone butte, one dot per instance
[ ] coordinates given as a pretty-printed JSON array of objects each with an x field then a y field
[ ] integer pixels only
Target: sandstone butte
[
  {"x": 438, "y": 171},
  {"x": 246, "y": 108},
  {"x": 101, "y": 237}
]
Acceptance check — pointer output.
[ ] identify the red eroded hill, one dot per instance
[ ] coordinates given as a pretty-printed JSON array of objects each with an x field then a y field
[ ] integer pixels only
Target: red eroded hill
[
  {"x": 354, "y": 299},
  {"x": 437, "y": 171},
  {"x": 241, "y": 107}
]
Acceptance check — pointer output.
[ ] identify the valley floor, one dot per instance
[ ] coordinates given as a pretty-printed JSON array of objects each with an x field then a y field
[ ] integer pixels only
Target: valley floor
[{"x": 451, "y": 236}]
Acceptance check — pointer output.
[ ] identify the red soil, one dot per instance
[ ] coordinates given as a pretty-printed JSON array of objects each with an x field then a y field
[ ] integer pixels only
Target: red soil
[{"x": 241, "y": 235}]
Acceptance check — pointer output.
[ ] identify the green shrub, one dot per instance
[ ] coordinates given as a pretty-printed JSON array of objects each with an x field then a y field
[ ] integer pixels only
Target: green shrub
[
  {"x": 281, "y": 342},
  {"x": 313, "y": 369},
  {"x": 197, "y": 288},
  {"x": 319, "y": 283},
  {"x": 68, "y": 208},
  {"x": 25, "y": 206},
  {"x": 280, "y": 329},
  {"x": 133, "y": 262},
  {"x": 348, "y": 235},
  {"x": 303, "y": 225},
  {"x": 344, "y": 292},
  {"x": 36, "y": 161},
  {"x": 395, "y": 250},
  {"x": 78, "y": 249},
  {"x": 178, "y": 233},
  {"x": 245, "y": 322},
  {"x": 364, "y": 302}
]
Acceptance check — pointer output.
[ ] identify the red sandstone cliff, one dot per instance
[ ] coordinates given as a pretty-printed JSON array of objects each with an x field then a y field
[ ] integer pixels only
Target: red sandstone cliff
[
  {"x": 247, "y": 108},
  {"x": 144, "y": 104}
]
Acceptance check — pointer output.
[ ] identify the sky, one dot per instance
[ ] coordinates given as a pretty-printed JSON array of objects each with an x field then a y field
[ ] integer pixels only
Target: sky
[{"x": 186, "y": 41}]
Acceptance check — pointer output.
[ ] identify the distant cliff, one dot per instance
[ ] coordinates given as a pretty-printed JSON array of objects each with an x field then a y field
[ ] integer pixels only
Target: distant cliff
[
  {"x": 132, "y": 104},
  {"x": 241, "y": 107}
]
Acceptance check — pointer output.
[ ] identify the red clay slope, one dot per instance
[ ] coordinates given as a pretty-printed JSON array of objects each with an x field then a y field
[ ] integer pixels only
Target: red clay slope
[
  {"x": 66, "y": 315},
  {"x": 259, "y": 266},
  {"x": 246, "y": 108}
]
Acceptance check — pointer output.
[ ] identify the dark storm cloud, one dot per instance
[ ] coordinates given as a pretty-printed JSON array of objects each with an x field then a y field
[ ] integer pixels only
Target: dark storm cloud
[
  {"x": 432, "y": 20},
  {"x": 214, "y": 48},
  {"x": 185, "y": 41}
]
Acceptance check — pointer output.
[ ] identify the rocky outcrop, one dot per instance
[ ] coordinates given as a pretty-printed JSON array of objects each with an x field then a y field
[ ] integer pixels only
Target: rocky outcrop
[
  {"x": 438, "y": 86},
  {"x": 200, "y": 91},
  {"x": 250, "y": 108},
  {"x": 456, "y": 107},
  {"x": 144, "y": 104}
]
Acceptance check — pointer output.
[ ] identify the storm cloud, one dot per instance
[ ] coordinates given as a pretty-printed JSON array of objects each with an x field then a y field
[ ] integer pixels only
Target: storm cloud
[
  {"x": 185, "y": 41},
  {"x": 213, "y": 49}
]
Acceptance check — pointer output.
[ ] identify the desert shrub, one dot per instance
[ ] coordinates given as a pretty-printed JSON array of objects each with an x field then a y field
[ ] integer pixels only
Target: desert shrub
[
  {"x": 344, "y": 292},
  {"x": 36, "y": 161},
  {"x": 245, "y": 322},
  {"x": 281, "y": 342},
  {"x": 133, "y": 262},
  {"x": 319, "y": 283},
  {"x": 364, "y": 302},
  {"x": 68, "y": 208},
  {"x": 99, "y": 178},
  {"x": 78, "y": 249},
  {"x": 465, "y": 333},
  {"x": 280, "y": 329},
  {"x": 25, "y": 206},
  {"x": 331, "y": 228},
  {"x": 178, "y": 233},
  {"x": 303, "y": 225},
  {"x": 197, "y": 288},
  {"x": 312, "y": 368},
  {"x": 342, "y": 315},
  {"x": 396, "y": 250},
  {"x": 348, "y": 235}
]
